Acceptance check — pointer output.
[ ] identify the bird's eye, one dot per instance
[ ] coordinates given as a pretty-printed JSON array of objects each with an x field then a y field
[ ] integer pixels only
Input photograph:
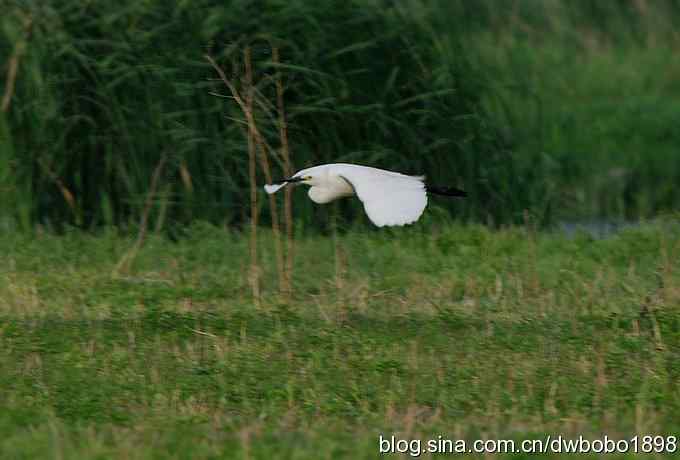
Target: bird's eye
[{"x": 308, "y": 178}]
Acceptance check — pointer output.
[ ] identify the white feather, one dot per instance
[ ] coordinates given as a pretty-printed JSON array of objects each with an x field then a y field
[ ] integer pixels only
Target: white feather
[
  {"x": 273, "y": 188},
  {"x": 389, "y": 198}
]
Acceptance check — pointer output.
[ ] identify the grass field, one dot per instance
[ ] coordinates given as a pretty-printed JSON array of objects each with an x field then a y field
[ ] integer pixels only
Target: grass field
[
  {"x": 545, "y": 112},
  {"x": 418, "y": 332}
]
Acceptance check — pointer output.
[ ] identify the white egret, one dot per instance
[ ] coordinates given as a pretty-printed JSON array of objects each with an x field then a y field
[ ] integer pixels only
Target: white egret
[{"x": 389, "y": 198}]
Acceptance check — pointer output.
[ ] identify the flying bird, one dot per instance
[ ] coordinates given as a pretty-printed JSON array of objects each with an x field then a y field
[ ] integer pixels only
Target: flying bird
[{"x": 389, "y": 198}]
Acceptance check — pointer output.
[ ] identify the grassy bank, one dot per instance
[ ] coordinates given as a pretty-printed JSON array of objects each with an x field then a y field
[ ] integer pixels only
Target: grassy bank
[{"x": 459, "y": 332}]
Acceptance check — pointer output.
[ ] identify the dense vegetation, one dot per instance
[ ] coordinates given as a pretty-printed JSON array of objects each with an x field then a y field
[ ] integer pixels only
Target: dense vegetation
[
  {"x": 567, "y": 109},
  {"x": 491, "y": 334}
]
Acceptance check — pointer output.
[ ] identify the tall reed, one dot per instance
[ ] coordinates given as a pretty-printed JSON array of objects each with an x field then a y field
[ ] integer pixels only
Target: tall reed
[
  {"x": 101, "y": 89},
  {"x": 105, "y": 89}
]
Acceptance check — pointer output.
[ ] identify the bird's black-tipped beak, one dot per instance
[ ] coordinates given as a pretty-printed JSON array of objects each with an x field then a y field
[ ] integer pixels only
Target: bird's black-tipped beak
[
  {"x": 279, "y": 184},
  {"x": 291, "y": 180}
]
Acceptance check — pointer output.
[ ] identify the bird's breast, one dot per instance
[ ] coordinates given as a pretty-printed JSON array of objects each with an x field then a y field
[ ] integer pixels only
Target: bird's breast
[{"x": 332, "y": 190}]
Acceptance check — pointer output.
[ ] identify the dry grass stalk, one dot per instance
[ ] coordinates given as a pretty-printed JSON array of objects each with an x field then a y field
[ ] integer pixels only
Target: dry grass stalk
[
  {"x": 65, "y": 192},
  {"x": 246, "y": 108},
  {"x": 13, "y": 64},
  {"x": 124, "y": 263},
  {"x": 340, "y": 262},
  {"x": 284, "y": 267},
  {"x": 254, "y": 274},
  {"x": 264, "y": 164},
  {"x": 287, "y": 171},
  {"x": 533, "y": 258},
  {"x": 253, "y": 133}
]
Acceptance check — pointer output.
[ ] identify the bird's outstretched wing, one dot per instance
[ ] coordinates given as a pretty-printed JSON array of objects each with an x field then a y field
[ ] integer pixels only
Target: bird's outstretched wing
[{"x": 389, "y": 198}]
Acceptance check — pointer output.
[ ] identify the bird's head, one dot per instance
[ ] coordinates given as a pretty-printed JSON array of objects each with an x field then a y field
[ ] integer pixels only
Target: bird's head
[
  {"x": 300, "y": 178},
  {"x": 308, "y": 176}
]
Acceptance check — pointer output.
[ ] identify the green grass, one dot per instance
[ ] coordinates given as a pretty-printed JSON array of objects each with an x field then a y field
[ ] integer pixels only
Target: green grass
[
  {"x": 424, "y": 331},
  {"x": 603, "y": 125},
  {"x": 566, "y": 108},
  {"x": 105, "y": 90}
]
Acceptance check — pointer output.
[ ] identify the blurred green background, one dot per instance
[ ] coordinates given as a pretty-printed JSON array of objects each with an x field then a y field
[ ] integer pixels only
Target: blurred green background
[{"x": 568, "y": 109}]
